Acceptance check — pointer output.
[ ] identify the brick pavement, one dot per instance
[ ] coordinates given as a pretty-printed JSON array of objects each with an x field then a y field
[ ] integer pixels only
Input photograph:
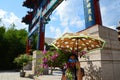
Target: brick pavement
[
  {"x": 48, "y": 77},
  {"x": 11, "y": 75},
  {"x": 56, "y": 76}
]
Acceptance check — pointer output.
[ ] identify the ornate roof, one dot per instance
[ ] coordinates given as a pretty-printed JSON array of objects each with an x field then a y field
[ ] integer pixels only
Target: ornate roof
[
  {"x": 28, "y": 18},
  {"x": 31, "y": 3}
]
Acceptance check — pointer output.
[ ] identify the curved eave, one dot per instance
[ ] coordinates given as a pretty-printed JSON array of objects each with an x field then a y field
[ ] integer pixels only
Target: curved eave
[
  {"x": 31, "y": 3},
  {"x": 27, "y": 19}
]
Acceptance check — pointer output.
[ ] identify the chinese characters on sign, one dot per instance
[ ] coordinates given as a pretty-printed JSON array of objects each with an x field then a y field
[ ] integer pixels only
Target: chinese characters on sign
[
  {"x": 89, "y": 13},
  {"x": 89, "y": 10}
]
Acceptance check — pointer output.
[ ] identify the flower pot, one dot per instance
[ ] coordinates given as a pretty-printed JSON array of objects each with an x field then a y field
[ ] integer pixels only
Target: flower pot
[{"x": 22, "y": 74}]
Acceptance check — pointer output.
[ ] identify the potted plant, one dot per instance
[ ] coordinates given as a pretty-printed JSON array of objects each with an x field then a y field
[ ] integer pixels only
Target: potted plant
[{"x": 22, "y": 61}]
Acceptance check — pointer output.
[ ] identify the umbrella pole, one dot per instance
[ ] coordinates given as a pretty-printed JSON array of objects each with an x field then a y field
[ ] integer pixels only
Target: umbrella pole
[{"x": 77, "y": 46}]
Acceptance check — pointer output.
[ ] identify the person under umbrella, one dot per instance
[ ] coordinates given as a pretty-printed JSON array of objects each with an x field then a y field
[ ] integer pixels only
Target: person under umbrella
[{"x": 73, "y": 71}]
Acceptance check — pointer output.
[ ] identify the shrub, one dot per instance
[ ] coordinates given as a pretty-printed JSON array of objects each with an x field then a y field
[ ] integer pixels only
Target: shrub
[{"x": 23, "y": 60}]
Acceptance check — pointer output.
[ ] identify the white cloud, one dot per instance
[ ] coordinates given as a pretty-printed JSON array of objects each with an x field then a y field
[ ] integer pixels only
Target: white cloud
[
  {"x": 68, "y": 11},
  {"x": 110, "y": 12},
  {"x": 77, "y": 22},
  {"x": 9, "y": 18},
  {"x": 66, "y": 30},
  {"x": 71, "y": 13},
  {"x": 2, "y": 13},
  {"x": 62, "y": 12},
  {"x": 52, "y": 29},
  {"x": 112, "y": 27},
  {"x": 66, "y": 15},
  {"x": 64, "y": 22},
  {"x": 53, "y": 18},
  {"x": 58, "y": 32},
  {"x": 103, "y": 10}
]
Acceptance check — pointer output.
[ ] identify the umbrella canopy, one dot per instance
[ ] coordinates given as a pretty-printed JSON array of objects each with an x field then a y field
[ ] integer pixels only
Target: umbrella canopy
[{"x": 77, "y": 43}]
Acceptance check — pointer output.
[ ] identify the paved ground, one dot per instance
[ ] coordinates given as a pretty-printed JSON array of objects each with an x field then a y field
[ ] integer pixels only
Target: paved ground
[
  {"x": 11, "y": 75},
  {"x": 56, "y": 76}
]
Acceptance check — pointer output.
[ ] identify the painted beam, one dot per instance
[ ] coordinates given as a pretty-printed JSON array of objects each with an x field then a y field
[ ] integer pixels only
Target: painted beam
[
  {"x": 43, "y": 13},
  {"x": 50, "y": 7},
  {"x": 38, "y": 13},
  {"x": 35, "y": 28}
]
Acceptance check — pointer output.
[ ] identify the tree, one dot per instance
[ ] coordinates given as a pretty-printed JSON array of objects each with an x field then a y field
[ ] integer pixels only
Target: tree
[
  {"x": 12, "y": 44},
  {"x": 3, "y": 48}
]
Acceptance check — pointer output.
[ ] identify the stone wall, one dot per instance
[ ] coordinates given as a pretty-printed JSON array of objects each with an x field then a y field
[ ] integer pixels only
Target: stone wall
[
  {"x": 36, "y": 63},
  {"x": 108, "y": 58}
]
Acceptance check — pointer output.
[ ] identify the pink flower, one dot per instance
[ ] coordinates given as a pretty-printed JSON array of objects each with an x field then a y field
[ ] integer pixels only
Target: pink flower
[
  {"x": 65, "y": 65},
  {"x": 45, "y": 60},
  {"x": 56, "y": 55},
  {"x": 53, "y": 57},
  {"x": 73, "y": 51},
  {"x": 83, "y": 52},
  {"x": 45, "y": 66},
  {"x": 44, "y": 51},
  {"x": 41, "y": 65}
]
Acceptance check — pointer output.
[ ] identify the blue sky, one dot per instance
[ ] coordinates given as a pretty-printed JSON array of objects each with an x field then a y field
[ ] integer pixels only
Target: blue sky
[{"x": 67, "y": 17}]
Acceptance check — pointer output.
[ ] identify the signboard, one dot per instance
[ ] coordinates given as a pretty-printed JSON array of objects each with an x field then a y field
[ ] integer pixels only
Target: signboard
[
  {"x": 92, "y": 13},
  {"x": 89, "y": 13}
]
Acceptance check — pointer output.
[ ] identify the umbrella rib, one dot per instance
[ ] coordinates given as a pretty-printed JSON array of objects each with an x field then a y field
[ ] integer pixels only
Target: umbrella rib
[
  {"x": 84, "y": 43},
  {"x": 75, "y": 45}
]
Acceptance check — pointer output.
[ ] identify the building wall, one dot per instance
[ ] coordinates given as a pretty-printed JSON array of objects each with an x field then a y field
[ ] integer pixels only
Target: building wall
[
  {"x": 109, "y": 57},
  {"x": 110, "y": 54}
]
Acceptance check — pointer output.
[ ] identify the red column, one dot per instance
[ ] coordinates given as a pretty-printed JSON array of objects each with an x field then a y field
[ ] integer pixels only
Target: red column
[
  {"x": 98, "y": 18},
  {"x": 28, "y": 46},
  {"x": 41, "y": 36}
]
